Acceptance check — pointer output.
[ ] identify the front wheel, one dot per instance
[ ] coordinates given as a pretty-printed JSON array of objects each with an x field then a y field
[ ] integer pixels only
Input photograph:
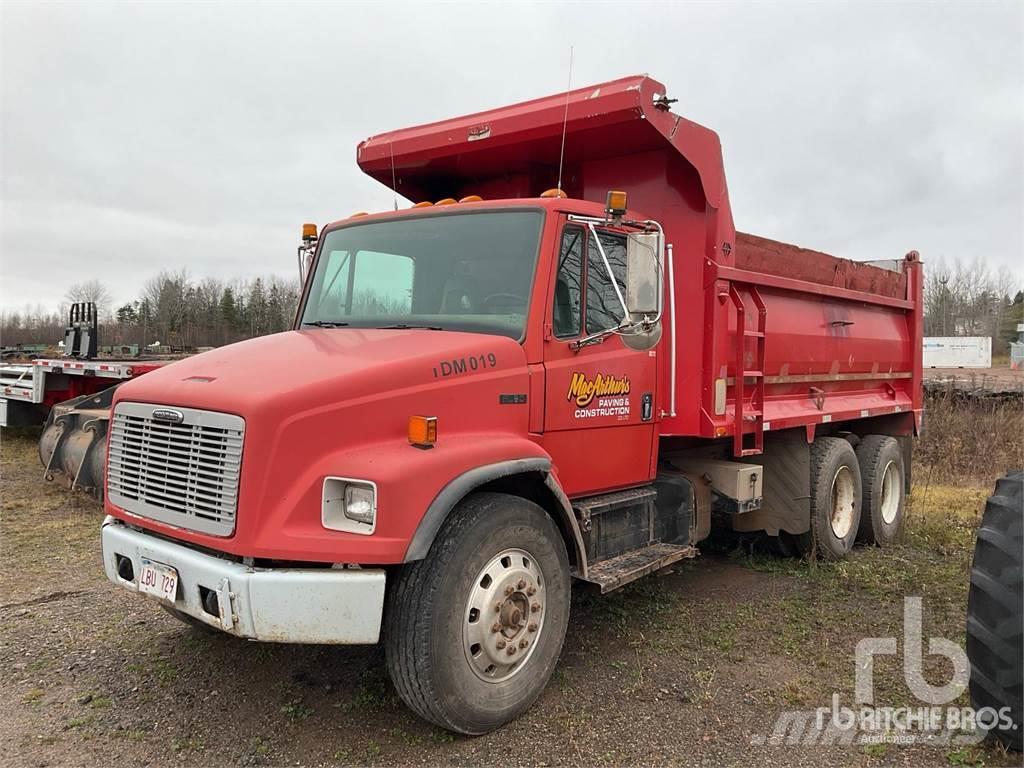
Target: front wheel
[{"x": 474, "y": 630}]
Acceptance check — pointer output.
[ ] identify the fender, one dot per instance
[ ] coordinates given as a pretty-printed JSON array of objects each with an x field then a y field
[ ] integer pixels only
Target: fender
[{"x": 465, "y": 483}]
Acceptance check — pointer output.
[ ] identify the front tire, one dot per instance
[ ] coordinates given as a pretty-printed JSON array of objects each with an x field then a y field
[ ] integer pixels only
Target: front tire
[{"x": 473, "y": 631}]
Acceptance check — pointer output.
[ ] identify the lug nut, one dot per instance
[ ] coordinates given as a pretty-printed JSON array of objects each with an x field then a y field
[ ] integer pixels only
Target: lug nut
[
  {"x": 533, "y": 626},
  {"x": 521, "y": 584},
  {"x": 501, "y": 643},
  {"x": 535, "y": 607},
  {"x": 531, "y": 591},
  {"x": 509, "y": 590},
  {"x": 510, "y": 650},
  {"x": 497, "y": 607},
  {"x": 523, "y": 643},
  {"x": 496, "y": 626}
]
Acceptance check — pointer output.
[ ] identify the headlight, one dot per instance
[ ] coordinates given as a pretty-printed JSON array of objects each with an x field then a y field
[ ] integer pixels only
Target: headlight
[{"x": 349, "y": 505}]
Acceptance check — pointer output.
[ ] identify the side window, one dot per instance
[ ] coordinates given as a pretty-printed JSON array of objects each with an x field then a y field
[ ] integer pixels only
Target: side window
[
  {"x": 565, "y": 319},
  {"x": 603, "y": 308},
  {"x": 382, "y": 284}
]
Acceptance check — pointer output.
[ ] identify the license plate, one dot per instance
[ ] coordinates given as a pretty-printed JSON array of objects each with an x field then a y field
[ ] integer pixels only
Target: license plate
[{"x": 158, "y": 580}]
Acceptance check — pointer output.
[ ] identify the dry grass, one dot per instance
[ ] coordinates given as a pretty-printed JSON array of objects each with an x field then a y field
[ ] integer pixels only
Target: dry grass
[{"x": 969, "y": 441}]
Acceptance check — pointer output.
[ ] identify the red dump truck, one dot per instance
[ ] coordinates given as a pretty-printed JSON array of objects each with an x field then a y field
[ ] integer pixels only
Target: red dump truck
[{"x": 558, "y": 366}]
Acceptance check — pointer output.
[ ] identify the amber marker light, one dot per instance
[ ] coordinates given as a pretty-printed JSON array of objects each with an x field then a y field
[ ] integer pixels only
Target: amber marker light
[
  {"x": 309, "y": 231},
  {"x": 556, "y": 192},
  {"x": 616, "y": 203},
  {"x": 423, "y": 431}
]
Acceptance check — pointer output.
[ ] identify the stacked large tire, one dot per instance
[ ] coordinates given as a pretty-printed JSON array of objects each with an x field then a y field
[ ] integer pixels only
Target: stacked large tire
[{"x": 995, "y": 609}]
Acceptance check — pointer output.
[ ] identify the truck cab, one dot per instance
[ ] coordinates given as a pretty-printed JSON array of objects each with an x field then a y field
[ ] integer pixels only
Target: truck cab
[{"x": 505, "y": 388}]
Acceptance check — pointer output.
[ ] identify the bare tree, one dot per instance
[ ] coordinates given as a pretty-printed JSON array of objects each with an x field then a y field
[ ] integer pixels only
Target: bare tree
[{"x": 94, "y": 291}]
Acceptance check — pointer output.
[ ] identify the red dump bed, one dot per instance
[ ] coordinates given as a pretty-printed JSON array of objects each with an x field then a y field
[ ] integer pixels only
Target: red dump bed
[{"x": 824, "y": 338}]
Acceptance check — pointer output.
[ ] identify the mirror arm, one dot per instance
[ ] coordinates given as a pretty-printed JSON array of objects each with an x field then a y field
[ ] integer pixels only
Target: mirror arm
[{"x": 599, "y": 336}]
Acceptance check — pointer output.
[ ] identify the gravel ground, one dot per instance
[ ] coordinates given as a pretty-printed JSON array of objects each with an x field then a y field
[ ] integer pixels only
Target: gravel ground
[{"x": 686, "y": 668}]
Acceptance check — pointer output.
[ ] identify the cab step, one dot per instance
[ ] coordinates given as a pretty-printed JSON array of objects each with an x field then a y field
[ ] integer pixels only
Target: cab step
[{"x": 618, "y": 571}]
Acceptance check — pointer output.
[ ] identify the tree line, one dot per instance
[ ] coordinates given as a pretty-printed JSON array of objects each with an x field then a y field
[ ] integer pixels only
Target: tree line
[
  {"x": 172, "y": 310},
  {"x": 961, "y": 299},
  {"x": 970, "y": 299}
]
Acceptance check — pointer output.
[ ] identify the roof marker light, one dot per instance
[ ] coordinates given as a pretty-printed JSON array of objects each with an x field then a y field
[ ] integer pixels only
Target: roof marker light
[
  {"x": 471, "y": 199},
  {"x": 447, "y": 201},
  {"x": 556, "y": 192},
  {"x": 423, "y": 204}
]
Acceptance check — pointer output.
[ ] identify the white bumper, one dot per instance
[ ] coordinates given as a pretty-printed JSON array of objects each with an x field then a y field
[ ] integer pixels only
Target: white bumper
[{"x": 286, "y": 605}]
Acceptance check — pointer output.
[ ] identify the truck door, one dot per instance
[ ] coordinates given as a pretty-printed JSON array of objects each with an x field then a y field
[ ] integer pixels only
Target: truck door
[{"x": 599, "y": 397}]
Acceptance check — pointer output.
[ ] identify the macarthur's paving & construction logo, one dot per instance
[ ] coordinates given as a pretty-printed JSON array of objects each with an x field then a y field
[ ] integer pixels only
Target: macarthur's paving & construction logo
[{"x": 584, "y": 389}]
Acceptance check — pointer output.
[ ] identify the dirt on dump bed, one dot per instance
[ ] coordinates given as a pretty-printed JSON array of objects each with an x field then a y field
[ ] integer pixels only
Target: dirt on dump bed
[{"x": 692, "y": 667}]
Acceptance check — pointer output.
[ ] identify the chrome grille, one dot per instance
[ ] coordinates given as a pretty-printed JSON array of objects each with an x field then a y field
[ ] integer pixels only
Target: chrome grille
[{"x": 184, "y": 474}]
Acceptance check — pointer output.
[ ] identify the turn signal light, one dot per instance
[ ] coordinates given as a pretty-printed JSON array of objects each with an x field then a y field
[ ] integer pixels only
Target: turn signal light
[
  {"x": 616, "y": 203},
  {"x": 423, "y": 431},
  {"x": 556, "y": 192},
  {"x": 309, "y": 231}
]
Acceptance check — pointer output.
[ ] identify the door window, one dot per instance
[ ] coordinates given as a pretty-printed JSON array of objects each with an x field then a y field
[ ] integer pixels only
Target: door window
[
  {"x": 567, "y": 314},
  {"x": 604, "y": 310}
]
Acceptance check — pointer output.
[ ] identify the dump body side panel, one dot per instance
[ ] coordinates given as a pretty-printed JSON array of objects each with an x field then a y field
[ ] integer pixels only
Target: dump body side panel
[{"x": 841, "y": 339}]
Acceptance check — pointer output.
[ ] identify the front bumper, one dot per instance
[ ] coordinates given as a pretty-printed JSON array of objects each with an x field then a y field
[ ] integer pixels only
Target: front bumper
[{"x": 281, "y": 605}]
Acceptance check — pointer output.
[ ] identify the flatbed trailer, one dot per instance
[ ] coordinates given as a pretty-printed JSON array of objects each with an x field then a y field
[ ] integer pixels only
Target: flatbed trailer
[
  {"x": 28, "y": 390},
  {"x": 562, "y": 363}
]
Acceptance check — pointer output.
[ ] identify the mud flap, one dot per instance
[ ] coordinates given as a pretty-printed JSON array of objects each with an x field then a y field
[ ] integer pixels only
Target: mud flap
[{"x": 787, "y": 486}]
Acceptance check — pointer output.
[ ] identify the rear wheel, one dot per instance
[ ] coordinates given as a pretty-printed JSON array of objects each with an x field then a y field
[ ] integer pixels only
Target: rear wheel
[
  {"x": 995, "y": 627},
  {"x": 883, "y": 477},
  {"x": 474, "y": 630},
  {"x": 835, "y": 499}
]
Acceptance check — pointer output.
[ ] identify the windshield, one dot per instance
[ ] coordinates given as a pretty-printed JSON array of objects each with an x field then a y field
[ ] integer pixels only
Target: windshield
[{"x": 460, "y": 272}]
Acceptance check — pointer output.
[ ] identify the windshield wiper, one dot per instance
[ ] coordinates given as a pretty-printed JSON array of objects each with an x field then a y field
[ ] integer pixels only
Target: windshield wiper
[
  {"x": 404, "y": 327},
  {"x": 324, "y": 324}
]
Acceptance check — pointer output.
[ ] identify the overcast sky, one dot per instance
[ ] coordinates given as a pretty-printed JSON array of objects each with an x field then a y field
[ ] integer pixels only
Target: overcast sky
[{"x": 137, "y": 137}]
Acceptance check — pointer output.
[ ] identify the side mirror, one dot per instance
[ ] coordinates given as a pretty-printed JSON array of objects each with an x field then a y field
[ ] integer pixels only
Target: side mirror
[
  {"x": 643, "y": 274},
  {"x": 644, "y": 259},
  {"x": 306, "y": 250}
]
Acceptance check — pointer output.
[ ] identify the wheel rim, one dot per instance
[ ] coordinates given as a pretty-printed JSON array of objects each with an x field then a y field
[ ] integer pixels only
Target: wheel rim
[
  {"x": 843, "y": 499},
  {"x": 892, "y": 490},
  {"x": 504, "y": 615}
]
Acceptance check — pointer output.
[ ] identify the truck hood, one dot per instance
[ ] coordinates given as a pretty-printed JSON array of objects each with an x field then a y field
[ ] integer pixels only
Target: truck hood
[{"x": 306, "y": 369}]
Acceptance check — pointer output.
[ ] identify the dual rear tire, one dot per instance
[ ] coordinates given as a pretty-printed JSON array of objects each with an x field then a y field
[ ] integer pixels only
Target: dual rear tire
[{"x": 857, "y": 494}]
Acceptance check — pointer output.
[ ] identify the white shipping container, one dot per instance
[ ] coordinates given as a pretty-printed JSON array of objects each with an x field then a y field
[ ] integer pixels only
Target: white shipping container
[{"x": 958, "y": 352}]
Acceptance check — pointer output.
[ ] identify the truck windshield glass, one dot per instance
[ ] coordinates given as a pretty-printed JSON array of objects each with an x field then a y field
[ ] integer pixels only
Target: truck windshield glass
[{"x": 459, "y": 272}]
